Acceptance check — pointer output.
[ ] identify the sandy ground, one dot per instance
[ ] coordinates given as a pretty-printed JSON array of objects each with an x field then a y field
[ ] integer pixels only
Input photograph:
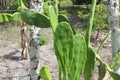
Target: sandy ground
[{"x": 13, "y": 68}]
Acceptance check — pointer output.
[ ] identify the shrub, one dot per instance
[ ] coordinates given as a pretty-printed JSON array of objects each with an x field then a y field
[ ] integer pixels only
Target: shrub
[
  {"x": 100, "y": 19},
  {"x": 44, "y": 39}
]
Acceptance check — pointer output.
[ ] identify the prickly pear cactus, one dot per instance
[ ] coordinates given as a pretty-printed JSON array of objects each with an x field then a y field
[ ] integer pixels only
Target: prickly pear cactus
[
  {"x": 53, "y": 17},
  {"x": 90, "y": 63},
  {"x": 34, "y": 18},
  {"x": 70, "y": 51},
  {"x": 5, "y": 17},
  {"x": 79, "y": 57},
  {"x": 63, "y": 42},
  {"x": 45, "y": 73}
]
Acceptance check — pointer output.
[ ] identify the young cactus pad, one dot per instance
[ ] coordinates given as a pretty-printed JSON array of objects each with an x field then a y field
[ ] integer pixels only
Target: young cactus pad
[
  {"x": 45, "y": 73},
  {"x": 53, "y": 17}
]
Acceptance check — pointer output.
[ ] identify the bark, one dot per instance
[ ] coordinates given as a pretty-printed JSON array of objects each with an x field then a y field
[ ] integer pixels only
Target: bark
[
  {"x": 34, "y": 52},
  {"x": 113, "y": 20},
  {"x": 24, "y": 41},
  {"x": 36, "y": 5}
]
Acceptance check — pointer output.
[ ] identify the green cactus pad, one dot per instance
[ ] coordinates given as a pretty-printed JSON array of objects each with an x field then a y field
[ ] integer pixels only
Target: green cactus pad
[
  {"x": 34, "y": 18},
  {"x": 63, "y": 43},
  {"x": 79, "y": 58},
  {"x": 90, "y": 63},
  {"x": 4, "y": 17},
  {"x": 53, "y": 17},
  {"x": 45, "y": 73}
]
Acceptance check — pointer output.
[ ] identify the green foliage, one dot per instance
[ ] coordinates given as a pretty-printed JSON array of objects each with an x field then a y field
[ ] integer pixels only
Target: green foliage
[
  {"x": 16, "y": 16},
  {"x": 102, "y": 71},
  {"x": 79, "y": 57},
  {"x": 46, "y": 5},
  {"x": 63, "y": 42},
  {"x": 116, "y": 62},
  {"x": 103, "y": 42},
  {"x": 44, "y": 39},
  {"x": 34, "y": 18},
  {"x": 90, "y": 63},
  {"x": 114, "y": 75},
  {"x": 45, "y": 73},
  {"x": 5, "y": 17},
  {"x": 21, "y": 4},
  {"x": 90, "y": 25},
  {"x": 62, "y": 18},
  {"x": 53, "y": 17},
  {"x": 83, "y": 15},
  {"x": 79, "y": 2},
  {"x": 100, "y": 18},
  {"x": 68, "y": 52}
]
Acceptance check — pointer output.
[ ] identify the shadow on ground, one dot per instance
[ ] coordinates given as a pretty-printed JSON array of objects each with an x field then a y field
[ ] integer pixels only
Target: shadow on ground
[{"x": 12, "y": 56}]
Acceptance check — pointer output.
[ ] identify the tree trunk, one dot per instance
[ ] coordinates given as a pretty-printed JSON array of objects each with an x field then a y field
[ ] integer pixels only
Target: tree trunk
[
  {"x": 36, "y": 5},
  {"x": 34, "y": 52},
  {"x": 24, "y": 41},
  {"x": 113, "y": 20}
]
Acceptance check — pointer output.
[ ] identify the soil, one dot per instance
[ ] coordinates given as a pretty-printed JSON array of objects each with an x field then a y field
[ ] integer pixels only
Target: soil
[{"x": 13, "y": 68}]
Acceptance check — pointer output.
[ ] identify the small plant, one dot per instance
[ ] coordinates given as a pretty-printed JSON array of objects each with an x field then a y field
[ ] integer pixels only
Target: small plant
[
  {"x": 100, "y": 19},
  {"x": 82, "y": 15},
  {"x": 45, "y": 73},
  {"x": 44, "y": 39}
]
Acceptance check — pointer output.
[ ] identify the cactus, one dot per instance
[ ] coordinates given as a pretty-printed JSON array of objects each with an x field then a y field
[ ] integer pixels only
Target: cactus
[
  {"x": 45, "y": 73},
  {"x": 79, "y": 57},
  {"x": 114, "y": 75},
  {"x": 62, "y": 18},
  {"x": 70, "y": 51},
  {"x": 5, "y": 17},
  {"x": 21, "y": 5},
  {"x": 53, "y": 17},
  {"x": 63, "y": 42},
  {"x": 102, "y": 71},
  {"x": 16, "y": 16},
  {"x": 34, "y": 18},
  {"x": 91, "y": 58},
  {"x": 90, "y": 64}
]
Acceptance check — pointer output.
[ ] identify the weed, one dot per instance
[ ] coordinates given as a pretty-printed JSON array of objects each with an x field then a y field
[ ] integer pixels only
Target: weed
[{"x": 44, "y": 39}]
